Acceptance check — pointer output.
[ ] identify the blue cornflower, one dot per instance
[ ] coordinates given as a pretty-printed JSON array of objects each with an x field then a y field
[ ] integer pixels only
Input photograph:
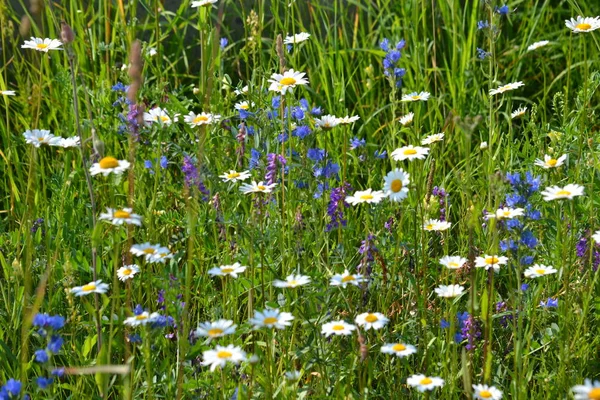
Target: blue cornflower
[
  {"x": 13, "y": 387},
  {"x": 482, "y": 54},
  {"x": 119, "y": 87},
  {"x": 223, "y": 43},
  {"x": 254, "y": 159},
  {"x": 298, "y": 113},
  {"x": 43, "y": 382},
  {"x": 482, "y": 25},
  {"x": 528, "y": 239},
  {"x": 355, "y": 143},
  {"x": 138, "y": 310},
  {"x": 301, "y": 131},
  {"x": 550, "y": 303},
  {"x": 524, "y": 287},
  {"x": 315, "y": 155},
  {"x": 316, "y": 112},
  {"x": 444, "y": 324},
  {"x": 526, "y": 260},
  {"x": 502, "y": 10},
  {"x": 55, "y": 343},
  {"x": 41, "y": 356},
  {"x": 384, "y": 45},
  {"x": 163, "y": 162},
  {"x": 304, "y": 104},
  {"x": 147, "y": 164},
  {"x": 380, "y": 155},
  {"x": 276, "y": 101}
]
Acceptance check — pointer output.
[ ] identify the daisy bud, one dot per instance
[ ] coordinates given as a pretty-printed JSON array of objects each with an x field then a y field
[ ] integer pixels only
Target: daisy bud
[
  {"x": 483, "y": 145},
  {"x": 195, "y": 90},
  {"x": 66, "y": 33}
]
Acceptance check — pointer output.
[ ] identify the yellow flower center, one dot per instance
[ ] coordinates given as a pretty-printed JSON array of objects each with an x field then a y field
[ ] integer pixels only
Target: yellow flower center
[
  {"x": 453, "y": 264},
  {"x": 348, "y": 278},
  {"x": 563, "y": 193},
  {"x": 261, "y": 187},
  {"x": 224, "y": 354},
  {"x": 270, "y": 320},
  {"x": 200, "y": 118},
  {"x": 293, "y": 283},
  {"x": 541, "y": 271},
  {"x": 42, "y": 46},
  {"x": 581, "y": 27},
  {"x": 121, "y": 214},
  {"x": 429, "y": 227},
  {"x": 398, "y": 347},
  {"x": 425, "y": 381},
  {"x": 227, "y": 270},
  {"x": 552, "y": 162},
  {"x": 506, "y": 213},
  {"x": 141, "y": 317},
  {"x": 215, "y": 332},
  {"x": 366, "y": 197},
  {"x": 233, "y": 175},
  {"x": 126, "y": 272},
  {"x": 371, "y": 318},
  {"x": 594, "y": 394},
  {"x": 486, "y": 394},
  {"x": 337, "y": 328},
  {"x": 416, "y": 97},
  {"x": 396, "y": 185},
  {"x": 287, "y": 81},
  {"x": 410, "y": 152},
  {"x": 164, "y": 118},
  {"x": 40, "y": 139},
  {"x": 492, "y": 260},
  {"x": 504, "y": 88},
  {"x": 89, "y": 288},
  {"x": 109, "y": 162},
  {"x": 244, "y": 106}
]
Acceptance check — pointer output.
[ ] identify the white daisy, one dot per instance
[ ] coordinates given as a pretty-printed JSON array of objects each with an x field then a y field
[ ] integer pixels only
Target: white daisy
[
  {"x": 407, "y": 119},
  {"x": 72, "y": 141},
  {"x": 583, "y": 24},
  {"x": 194, "y": 120},
  {"x": 231, "y": 270},
  {"x": 233, "y": 176},
  {"x": 398, "y": 349},
  {"x": 160, "y": 255},
  {"x": 436, "y": 225},
  {"x": 337, "y": 328},
  {"x": 327, "y": 122},
  {"x": 558, "y": 193},
  {"x": 297, "y": 38},
  {"x": 438, "y": 137},
  {"x": 109, "y": 165},
  {"x": 292, "y": 376},
  {"x": 203, "y": 3},
  {"x": 506, "y": 88},
  {"x": 410, "y": 153},
  {"x": 243, "y": 105},
  {"x": 144, "y": 250},
  {"x": 92, "y": 287},
  {"x": 151, "y": 52},
  {"x": 518, "y": 113},
  {"x": 550, "y": 162},
  {"x": 7, "y": 92},
  {"x": 216, "y": 329},
  {"x": 38, "y": 137},
  {"x": 588, "y": 391},
  {"x": 423, "y": 383},
  {"x": 347, "y": 278},
  {"x": 159, "y": 115},
  {"x": 414, "y": 96},
  {"x": 40, "y": 44},
  {"x": 127, "y": 272},
  {"x": 488, "y": 262},
  {"x": 243, "y": 90},
  {"x": 483, "y": 145},
  {"x": 538, "y": 270},
  {"x": 292, "y": 281},
  {"x": 271, "y": 318},
  {"x": 122, "y": 216},
  {"x": 348, "y": 120},
  {"x": 221, "y": 355},
  {"x": 485, "y": 392},
  {"x": 259, "y": 187},
  {"x": 395, "y": 184},
  {"x": 371, "y": 320},
  {"x": 141, "y": 319},
  {"x": 537, "y": 45},
  {"x": 449, "y": 291},
  {"x": 365, "y": 196},
  {"x": 507, "y": 213},
  {"x": 453, "y": 262},
  {"x": 596, "y": 237},
  {"x": 287, "y": 82}
]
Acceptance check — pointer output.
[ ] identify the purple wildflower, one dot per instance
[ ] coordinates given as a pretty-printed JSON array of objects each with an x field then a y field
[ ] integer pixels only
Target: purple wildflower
[{"x": 336, "y": 206}]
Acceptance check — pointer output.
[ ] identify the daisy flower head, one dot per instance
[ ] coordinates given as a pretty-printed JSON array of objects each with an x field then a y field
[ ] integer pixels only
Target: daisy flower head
[
  {"x": 488, "y": 262},
  {"x": 550, "y": 162},
  {"x": 338, "y": 328},
  {"x": 122, "y": 216},
  {"x": 588, "y": 391},
  {"x": 437, "y": 137},
  {"x": 217, "y": 329},
  {"x": 108, "y": 165},
  {"x": 142, "y": 318},
  {"x": 398, "y": 349},
  {"x": 436, "y": 225},
  {"x": 40, "y": 44},
  {"x": 410, "y": 153},
  {"x": 538, "y": 270},
  {"x": 507, "y": 213},
  {"x": 224, "y": 270},
  {"x": 424, "y": 383},
  {"x": 222, "y": 355},
  {"x": 72, "y": 141},
  {"x": 506, "y": 88},
  {"x": 414, "y": 96},
  {"x": 7, "y": 92},
  {"x": 152, "y": 252},
  {"x": 286, "y": 82},
  {"x": 485, "y": 392},
  {"x": 327, "y": 122},
  {"x": 203, "y": 3},
  {"x": 297, "y": 38},
  {"x": 347, "y": 120},
  {"x": 92, "y": 287},
  {"x": 243, "y": 105},
  {"x": 558, "y": 193},
  {"x": 395, "y": 184},
  {"x": 583, "y": 24},
  {"x": 127, "y": 272},
  {"x": 365, "y": 196},
  {"x": 449, "y": 291},
  {"x": 518, "y": 113},
  {"x": 596, "y": 237},
  {"x": 233, "y": 176},
  {"x": 453, "y": 262},
  {"x": 259, "y": 187},
  {"x": 407, "y": 119},
  {"x": 371, "y": 320},
  {"x": 292, "y": 376},
  {"x": 194, "y": 120},
  {"x": 241, "y": 91},
  {"x": 292, "y": 281},
  {"x": 38, "y": 137},
  {"x": 346, "y": 279},
  {"x": 159, "y": 115},
  {"x": 537, "y": 45},
  {"x": 271, "y": 318}
]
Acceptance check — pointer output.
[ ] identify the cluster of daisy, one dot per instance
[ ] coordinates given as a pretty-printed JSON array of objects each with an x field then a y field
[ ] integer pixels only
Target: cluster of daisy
[{"x": 39, "y": 137}]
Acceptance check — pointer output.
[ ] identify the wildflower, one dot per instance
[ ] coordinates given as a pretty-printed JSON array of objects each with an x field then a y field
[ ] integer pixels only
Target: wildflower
[
  {"x": 482, "y": 54},
  {"x": 151, "y": 51},
  {"x": 271, "y": 170},
  {"x": 326, "y": 122},
  {"x": 365, "y": 196},
  {"x": 482, "y": 25},
  {"x": 221, "y": 355},
  {"x": 506, "y": 88},
  {"x": 127, "y": 272},
  {"x": 45, "y": 321},
  {"x": 537, "y": 45},
  {"x": 159, "y": 115},
  {"x": 507, "y": 213},
  {"x": 335, "y": 208},
  {"x": 243, "y": 90},
  {"x": 271, "y": 318},
  {"x": 371, "y": 320},
  {"x": 398, "y": 349},
  {"x": 483, "y": 145},
  {"x": 287, "y": 82},
  {"x": 407, "y": 119},
  {"x": 297, "y": 38},
  {"x": 345, "y": 279},
  {"x": 233, "y": 176},
  {"x": 438, "y": 137},
  {"x": 12, "y": 387},
  {"x": 41, "y": 356},
  {"x": 223, "y": 42},
  {"x": 436, "y": 225},
  {"x": 203, "y": 3},
  {"x": 109, "y": 165},
  {"x": 504, "y": 10},
  {"x": 348, "y": 120},
  {"x": 589, "y": 390},
  {"x": 40, "y": 44},
  {"x": 449, "y": 291},
  {"x": 550, "y": 303},
  {"x": 163, "y": 162},
  {"x": 518, "y": 113},
  {"x": 539, "y": 270},
  {"x": 146, "y": 250},
  {"x": 55, "y": 344},
  {"x": 423, "y": 383},
  {"x": 215, "y": 329},
  {"x": 550, "y": 162},
  {"x": 558, "y": 193},
  {"x": 414, "y": 96},
  {"x": 42, "y": 382},
  {"x": 469, "y": 330},
  {"x": 410, "y": 153},
  {"x": 596, "y": 237},
  {"x": 453, "y": 262},
  {"x": 355, "y": 143},
  {"x": 38, "y": 137},
  {"x": 121, "y": 216},
  {"x": 92, "y": 287},
  {"x": 7, "y": 92},
  {"x": 141, "y": 318},
  {"x": 583, "y": 24},
  {"x": 192, "y": 177},
  {"x": 292, "y": 376},
  {"x": 259, "y": 187},
  {"x": 292, "y": 281},
  {"x": 68, "y": 142},
  {"x": 485, "y": 392},
  {"x": 488, "y": 262},
  {"x": 337, "y": 328},
  {"x": 194, "y": 120},
  {"x": 395, "y": 184}
]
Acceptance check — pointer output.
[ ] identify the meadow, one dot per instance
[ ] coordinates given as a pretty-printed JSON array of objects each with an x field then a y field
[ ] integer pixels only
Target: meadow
[{"x": 299, "y": 199}]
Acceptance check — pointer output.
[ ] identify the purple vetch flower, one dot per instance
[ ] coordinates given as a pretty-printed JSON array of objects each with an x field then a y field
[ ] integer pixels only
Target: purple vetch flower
[
  {"x": 272, "y": 159},
  {"x": 336, "y": 206},
  {"x": 368, "y": 250},
  {"x": 443, "y": 201},
  {"x": 134, "y": 119},
  {"x": 192, "y": 177},
  {"x": 37, "y": 224},
  {"x": 471, "y": 331}
]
